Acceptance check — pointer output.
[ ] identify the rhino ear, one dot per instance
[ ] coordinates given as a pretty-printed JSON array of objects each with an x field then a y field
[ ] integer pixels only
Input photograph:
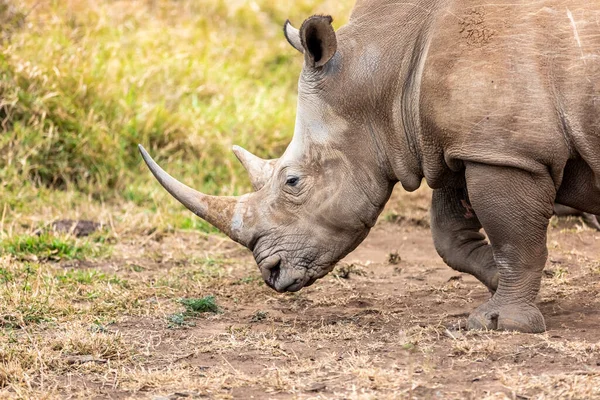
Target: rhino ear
[
  {"x": 293, "y": 36},
  {"x": 318, "y": 40}
]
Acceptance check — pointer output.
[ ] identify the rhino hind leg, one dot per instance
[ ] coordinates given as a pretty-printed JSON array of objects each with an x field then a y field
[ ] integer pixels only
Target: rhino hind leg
[
  {"x": 514, "y": 207},
  {"x": 591, "y": 220},
  {"x": 580, "y": 192},
  {"x": 457, "y": 236}
]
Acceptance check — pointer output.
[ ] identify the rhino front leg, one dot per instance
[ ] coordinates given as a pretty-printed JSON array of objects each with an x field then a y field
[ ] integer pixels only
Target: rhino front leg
[
  {"x": 514, "y": 207},
  {"x": 457, "y": 237}
]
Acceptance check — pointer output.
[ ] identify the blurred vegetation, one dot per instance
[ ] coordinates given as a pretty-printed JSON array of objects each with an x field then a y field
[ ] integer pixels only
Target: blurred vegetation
[
  {"x": 82, "y": 82},
  {"x": 49, "y": 247}
]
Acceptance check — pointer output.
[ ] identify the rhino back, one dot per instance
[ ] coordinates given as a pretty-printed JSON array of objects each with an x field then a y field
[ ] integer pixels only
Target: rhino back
[{"x": 512, "y": 83}]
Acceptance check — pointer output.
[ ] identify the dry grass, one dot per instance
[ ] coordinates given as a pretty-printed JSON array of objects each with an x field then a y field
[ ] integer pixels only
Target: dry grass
[{"x": 91, "y": 327}]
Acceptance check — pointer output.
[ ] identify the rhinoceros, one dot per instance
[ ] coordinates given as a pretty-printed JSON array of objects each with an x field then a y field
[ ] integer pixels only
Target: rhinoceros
[{"x": 495, "y": 104}]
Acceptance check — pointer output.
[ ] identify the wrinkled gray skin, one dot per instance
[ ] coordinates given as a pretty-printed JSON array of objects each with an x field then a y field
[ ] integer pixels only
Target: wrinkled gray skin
[{"x": 495, "y": 104}]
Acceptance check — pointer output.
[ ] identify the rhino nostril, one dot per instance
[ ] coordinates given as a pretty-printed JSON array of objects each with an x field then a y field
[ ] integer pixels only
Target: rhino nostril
[
  {"x": 275, "y": 271},
  {"x": 270, "y": 269}
]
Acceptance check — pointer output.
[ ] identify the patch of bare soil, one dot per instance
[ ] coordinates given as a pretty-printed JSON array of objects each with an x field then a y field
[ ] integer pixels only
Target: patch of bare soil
[{"x": 381, "y": 326}]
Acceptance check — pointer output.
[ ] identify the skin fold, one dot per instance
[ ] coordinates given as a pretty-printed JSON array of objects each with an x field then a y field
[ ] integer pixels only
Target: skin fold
[{"x": 496, "y": 105}]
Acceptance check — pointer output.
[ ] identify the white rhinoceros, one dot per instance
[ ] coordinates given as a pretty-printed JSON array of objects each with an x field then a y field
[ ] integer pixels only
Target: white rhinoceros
[{"x": 496, "y": 104}]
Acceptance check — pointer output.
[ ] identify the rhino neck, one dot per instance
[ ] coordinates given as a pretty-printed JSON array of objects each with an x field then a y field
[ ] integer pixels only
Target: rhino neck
[
  {"x": 407, "y": 112},
  {"x": 395, "y": 65}
]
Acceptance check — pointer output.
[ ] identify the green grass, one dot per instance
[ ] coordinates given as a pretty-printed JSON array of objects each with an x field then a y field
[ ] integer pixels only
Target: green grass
[
  {"x": 83, "y": 84},
  {"x": 48, "y": 247},
  {"x": 202, "y": 305},
  {"x": 179, "y": 320},
  {"x": 193, "y": 308},
  {"x": 197, "y": 224},
  {"x": 88, "y": 277}
]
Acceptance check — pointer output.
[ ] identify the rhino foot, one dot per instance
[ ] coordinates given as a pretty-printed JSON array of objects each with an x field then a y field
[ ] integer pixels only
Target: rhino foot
[{"x": 494, "y": 315}]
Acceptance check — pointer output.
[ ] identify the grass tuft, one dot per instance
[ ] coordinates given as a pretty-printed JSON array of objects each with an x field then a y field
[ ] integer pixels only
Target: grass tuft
[
  {"x": 193, "y": 308},
  {"x": 179, "y": 320},
  {"x": 204, "y": 305}
]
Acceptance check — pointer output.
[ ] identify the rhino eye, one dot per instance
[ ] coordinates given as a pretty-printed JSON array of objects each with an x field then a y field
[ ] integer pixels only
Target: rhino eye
[{"x": 292, "y": 181}]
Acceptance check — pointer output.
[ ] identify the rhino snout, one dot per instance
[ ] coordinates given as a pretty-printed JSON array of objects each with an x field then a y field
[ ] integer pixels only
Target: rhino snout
[{"x": 279, "y": 278}]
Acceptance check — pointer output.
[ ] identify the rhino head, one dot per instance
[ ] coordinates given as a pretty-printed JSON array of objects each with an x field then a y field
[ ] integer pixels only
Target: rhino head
[{"x": 318, "y": 201}]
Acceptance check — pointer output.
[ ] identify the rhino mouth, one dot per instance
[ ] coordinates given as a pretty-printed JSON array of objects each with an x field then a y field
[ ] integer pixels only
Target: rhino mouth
[
  {"x": 292, "y": 287},
  {"x": 311, "y": 281}
]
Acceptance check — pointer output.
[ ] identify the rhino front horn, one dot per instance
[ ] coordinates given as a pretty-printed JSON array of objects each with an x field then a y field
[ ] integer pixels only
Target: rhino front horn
[
  {"x": 259, "y": 170},
  {"x": 223, "y": 212}
]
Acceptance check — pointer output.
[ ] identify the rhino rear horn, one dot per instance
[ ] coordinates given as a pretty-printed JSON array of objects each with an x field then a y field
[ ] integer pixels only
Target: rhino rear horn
[
  {"x": 293, "y": 36},
  {"x": 259, "y": 170}
]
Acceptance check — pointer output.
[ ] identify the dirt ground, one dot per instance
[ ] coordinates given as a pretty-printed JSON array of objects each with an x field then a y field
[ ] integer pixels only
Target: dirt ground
[{"x": 385, "y": 324}]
